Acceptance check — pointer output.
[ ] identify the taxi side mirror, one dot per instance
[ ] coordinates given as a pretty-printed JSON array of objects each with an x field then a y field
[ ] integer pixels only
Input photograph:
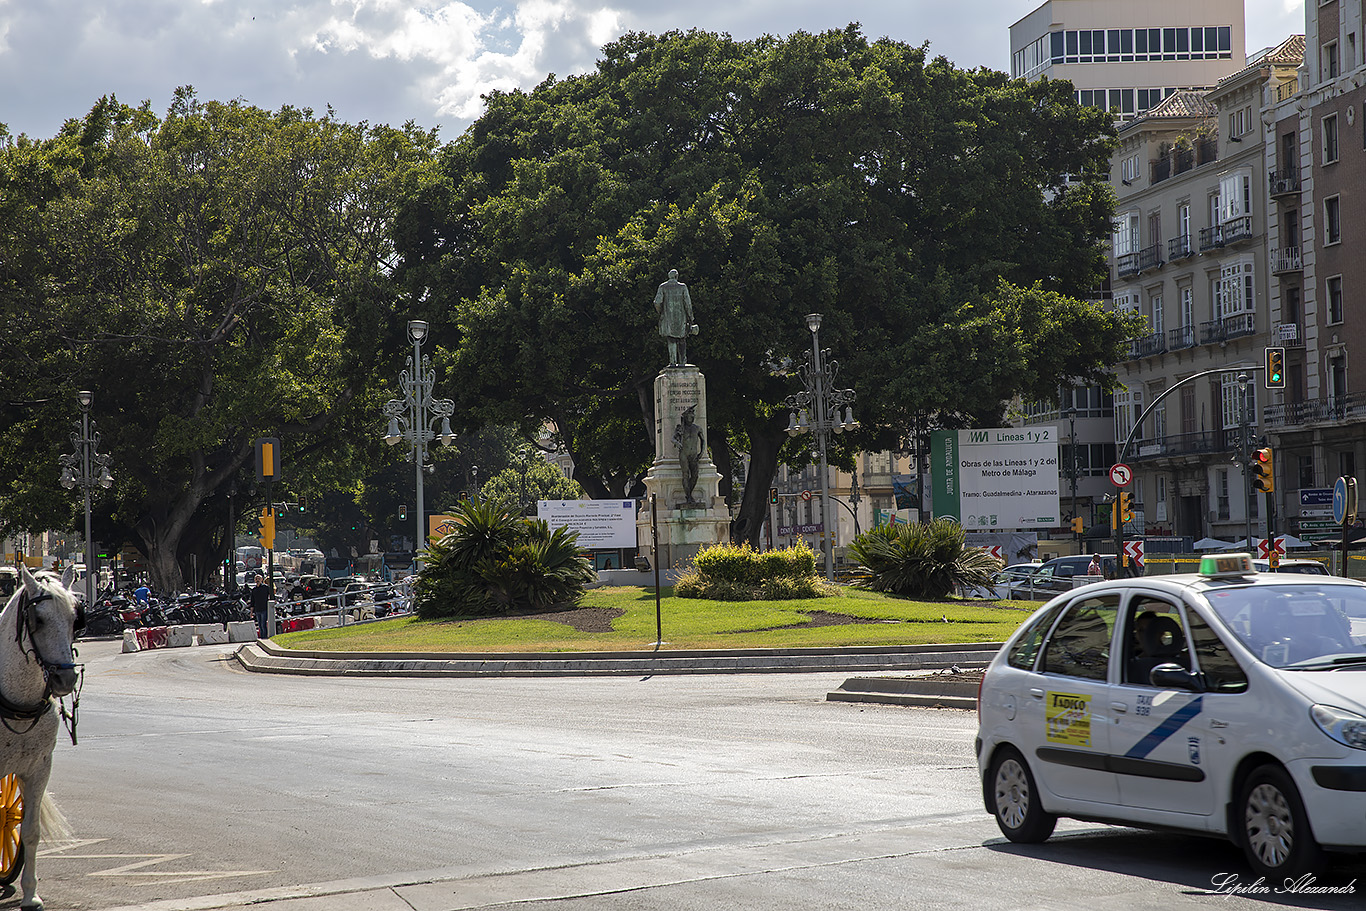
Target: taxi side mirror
[{"x": 1175, "y": 677}]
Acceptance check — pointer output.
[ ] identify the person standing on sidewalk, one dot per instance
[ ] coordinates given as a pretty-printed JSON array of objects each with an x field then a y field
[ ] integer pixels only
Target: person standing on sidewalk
[{"x": 260, "y": 605}]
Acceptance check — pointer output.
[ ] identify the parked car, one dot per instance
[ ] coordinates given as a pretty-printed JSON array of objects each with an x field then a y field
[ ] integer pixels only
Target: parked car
[
  {"x": 1057, "y": 576},
  {"x": 1226, "y": 702},
  {"x": 1004, "y": 583},
  {"x": 1304, "y": 567}
]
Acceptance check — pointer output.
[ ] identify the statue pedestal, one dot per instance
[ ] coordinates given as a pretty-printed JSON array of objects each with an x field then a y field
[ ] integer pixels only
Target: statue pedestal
[{"x": 685, "y": 526}]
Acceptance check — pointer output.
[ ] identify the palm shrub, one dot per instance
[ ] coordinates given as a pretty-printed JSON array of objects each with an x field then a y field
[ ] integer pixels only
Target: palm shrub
[
  {"x": 928, "y": 560},
  {"x": 494, "y": 563},
  {"x": 726, "y": 572}
]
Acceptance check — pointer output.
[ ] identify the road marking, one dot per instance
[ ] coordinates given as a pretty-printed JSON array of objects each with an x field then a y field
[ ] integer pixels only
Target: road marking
[{"x": 137, "y": 864}]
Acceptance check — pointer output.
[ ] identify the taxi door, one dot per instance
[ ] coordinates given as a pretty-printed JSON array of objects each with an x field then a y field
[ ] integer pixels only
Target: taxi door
[
  {"x": 1160, "y": 736},
  {"x": 1068, "y": 703}
]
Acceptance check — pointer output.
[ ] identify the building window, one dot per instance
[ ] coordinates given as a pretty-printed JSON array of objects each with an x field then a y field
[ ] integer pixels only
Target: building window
[
  {"x": 1156, "y": 319},
  {"x": 1330, "y": 60},
  {"x": 1332, "y": 221},
  {"x": 1187, "y": 307},
  {"x": 1306, "y": 471},
  {"x": 1333, "y": 294},
  {"x": 1221, "y": 492},
  {"x": 1231, "y": 400},
  {"x": 1330, "y": 139},
  {"x": 1290, "y": 305}
]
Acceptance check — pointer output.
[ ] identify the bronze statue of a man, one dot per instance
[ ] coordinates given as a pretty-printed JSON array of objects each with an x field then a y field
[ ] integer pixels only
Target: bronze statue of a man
[
  {"x": 690, "y": 445},
  {"x": 673, "y": 304}
]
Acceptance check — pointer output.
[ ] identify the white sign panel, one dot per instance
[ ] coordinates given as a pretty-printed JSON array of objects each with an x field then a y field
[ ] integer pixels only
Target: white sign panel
[
  {"x": 1003, "y": 477},
  {"x": 600, "y": 523}
]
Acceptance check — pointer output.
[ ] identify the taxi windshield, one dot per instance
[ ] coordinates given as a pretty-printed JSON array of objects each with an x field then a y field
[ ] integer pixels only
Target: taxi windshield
[{"x": 1297, "y": 626}]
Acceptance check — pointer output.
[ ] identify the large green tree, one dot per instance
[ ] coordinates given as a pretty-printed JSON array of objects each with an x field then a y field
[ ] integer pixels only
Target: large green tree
[
  {"x": 946, "y": 223},
  {"x": 215, "y": 275}
]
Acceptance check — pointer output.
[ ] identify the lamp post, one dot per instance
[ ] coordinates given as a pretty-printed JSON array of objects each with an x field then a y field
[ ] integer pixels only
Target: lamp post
[
  {"x": 1071, "y": 415},
  {"x": 816, "y": 410},
  {"x": 87, "y": 469},
  {"x": 411, "y": 418}
]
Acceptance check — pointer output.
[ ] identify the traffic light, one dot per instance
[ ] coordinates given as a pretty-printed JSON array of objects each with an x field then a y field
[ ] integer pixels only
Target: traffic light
[
  {"x": 773, "y": 496},
  {"x": 1126, "y": 506},
  {"x": 1076, "y": 524},
  {"x": 1263, "y": 471},
  {"x": 301, "y": 503},
  {"x": 1275, "y": 368},
  {"x": 402, "y": 513},
  {"x": 267, "y": 534}
]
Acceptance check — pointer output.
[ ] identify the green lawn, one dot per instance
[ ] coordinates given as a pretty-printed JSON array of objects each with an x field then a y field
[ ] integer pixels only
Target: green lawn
[{"x": 690, "y": 623}]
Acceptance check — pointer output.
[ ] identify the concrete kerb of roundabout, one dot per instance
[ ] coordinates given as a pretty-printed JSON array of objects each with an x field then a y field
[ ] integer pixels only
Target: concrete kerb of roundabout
[{"x": 944, "y": 672}]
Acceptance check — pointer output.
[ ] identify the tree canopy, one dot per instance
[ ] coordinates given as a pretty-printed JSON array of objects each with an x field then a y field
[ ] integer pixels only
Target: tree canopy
[
  {"x": 215, "y": 275},
  {"x": 947, "y": 224}
]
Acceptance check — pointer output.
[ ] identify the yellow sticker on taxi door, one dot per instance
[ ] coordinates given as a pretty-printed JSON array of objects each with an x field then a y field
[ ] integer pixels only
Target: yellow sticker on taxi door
[{"x": 1068, "y": 717}]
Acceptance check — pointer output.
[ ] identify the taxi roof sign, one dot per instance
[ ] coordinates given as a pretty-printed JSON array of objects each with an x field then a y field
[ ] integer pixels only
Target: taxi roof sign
[{"x": 1217, "y": 566}]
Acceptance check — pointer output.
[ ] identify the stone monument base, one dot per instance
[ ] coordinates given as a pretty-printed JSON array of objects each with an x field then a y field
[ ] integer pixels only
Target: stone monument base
[{"x": 686, "y": 525}]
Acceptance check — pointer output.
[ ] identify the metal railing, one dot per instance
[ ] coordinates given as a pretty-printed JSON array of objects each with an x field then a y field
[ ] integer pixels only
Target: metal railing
[
  {"x": 1180, "y": 444},
  {"x": 1285, "y": 259},
  {"x": 1179, "y": 247},
  {"x": 1126, "y": 264},
  {"x": 1284, "y": 181},
  {"x": 1230, "y": 327},
  {"x": 1347, "y": 407},
  {"x": 1180, "y": 337},
  {"x": 1150, "y": 257}
]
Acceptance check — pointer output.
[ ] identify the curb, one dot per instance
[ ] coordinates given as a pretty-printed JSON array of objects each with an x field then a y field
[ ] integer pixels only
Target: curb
[
  {"x": 945, "y": 691},
  {"x": 264, "y": 656}
]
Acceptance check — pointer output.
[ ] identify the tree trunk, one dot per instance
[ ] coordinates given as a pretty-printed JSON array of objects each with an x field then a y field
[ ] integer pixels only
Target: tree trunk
[{"x": 764, "y": 442}]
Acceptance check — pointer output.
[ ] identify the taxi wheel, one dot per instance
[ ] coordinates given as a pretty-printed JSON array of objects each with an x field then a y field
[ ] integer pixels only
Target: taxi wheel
[
  {"x": 11, "y": 815},
  {"x": 1275, "y": 828},
  {"x": 1015, "y": 799}
]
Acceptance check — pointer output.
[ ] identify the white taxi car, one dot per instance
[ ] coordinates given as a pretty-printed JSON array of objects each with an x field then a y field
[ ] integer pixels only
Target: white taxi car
[{"x": 1227, "y": 702}]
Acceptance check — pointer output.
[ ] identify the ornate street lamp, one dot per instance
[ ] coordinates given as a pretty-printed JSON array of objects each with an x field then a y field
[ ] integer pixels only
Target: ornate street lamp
[
  {"x": 816, "y": 410},
  {"x": 411, "y": 418},
  {"x": 87, "y": 469}
]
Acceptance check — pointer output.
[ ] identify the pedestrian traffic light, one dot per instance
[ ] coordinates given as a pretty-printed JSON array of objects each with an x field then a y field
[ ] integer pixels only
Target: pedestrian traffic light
[
  {"x": 267, "y": 534},
  {"x": 1126, "y": 506},
  {"x": 1275, "y": 368},
  {"x": 1263, "y": 471},
  {"x": 402, "y": 513},
  {"x": 1076, "y": 524},
  {"x": 773, "y": 496}
]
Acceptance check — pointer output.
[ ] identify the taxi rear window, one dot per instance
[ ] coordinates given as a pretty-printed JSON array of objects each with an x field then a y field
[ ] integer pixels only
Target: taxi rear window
[{"x": 1026, "y": 648}]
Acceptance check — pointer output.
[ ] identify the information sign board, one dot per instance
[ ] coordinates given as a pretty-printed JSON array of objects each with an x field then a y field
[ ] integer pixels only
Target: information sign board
[{"x": 1004, "y": 478}]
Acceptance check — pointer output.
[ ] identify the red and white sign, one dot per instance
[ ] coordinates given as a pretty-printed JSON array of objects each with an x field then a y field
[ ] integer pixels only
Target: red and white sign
[
  {"x": 806, "y": 495},
  {"x": 1264, "y": 547},
  {"x": 997, "y": 551},
  {"x": 1121, "y": 474},
  {"x": 1134, "y": 551}
]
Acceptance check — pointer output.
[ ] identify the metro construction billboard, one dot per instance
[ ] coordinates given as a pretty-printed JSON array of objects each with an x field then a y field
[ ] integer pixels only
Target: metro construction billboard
[{"x": 1001, "y": 477}]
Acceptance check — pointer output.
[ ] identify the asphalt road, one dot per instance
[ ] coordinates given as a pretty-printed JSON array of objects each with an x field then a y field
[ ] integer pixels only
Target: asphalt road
[{"x": 194, "y": 778}]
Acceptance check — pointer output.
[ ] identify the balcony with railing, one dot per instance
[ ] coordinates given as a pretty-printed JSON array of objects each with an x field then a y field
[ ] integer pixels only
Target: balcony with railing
[
  {"x": 1126, "y": 265},
  {"x": 1179, "y": 445},
  {"x": 1236, "y": 229},
  {"x": 1180, "y": 337},
  {"x": 1285, "y": 259},
  {"x": 1287, "y": 90},
  {"x": 1179, "y": 247},
  {"x": 1210, "y": 239},
  {"x": 1333, "y": 409},
  {"x": 1228, "y": 328},
  {"x": 1148, "y": 345},
  {"x": 1150, "y": 257},
  {"x": 1285, "y": 181}
]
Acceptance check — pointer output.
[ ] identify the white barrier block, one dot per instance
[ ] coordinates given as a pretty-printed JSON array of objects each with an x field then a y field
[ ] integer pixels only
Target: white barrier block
[
  {"x": 202, "y": 630},
  {"x": 325, "y": 620},
  {"x": 242, "y": 631},
  {"x": 215, "y": 636},
  {"x": 130, "y": 640},
  {"x": 179, "y": 636}
]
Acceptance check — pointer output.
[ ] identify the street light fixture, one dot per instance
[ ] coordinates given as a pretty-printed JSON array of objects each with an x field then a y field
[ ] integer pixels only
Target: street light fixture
[
  {"x": 412, "y": 417},
  {"x": 80, "y": 470},
  {"x": 817, "y": 410}
]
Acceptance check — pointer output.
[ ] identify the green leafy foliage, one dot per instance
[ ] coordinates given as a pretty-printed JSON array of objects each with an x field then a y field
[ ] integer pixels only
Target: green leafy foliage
[
  {"x": 926, "y": 560},
  {"x": 945, "y": 222},
  {"x": 726, "y": 572},
  {"x": 495, "y": 563}
]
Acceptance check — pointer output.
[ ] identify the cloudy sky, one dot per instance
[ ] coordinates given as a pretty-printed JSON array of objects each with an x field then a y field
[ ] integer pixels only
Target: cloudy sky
[{"x": 389, "y": 61}]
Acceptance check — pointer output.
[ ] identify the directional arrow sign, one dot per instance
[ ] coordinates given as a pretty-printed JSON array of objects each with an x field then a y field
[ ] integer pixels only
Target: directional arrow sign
[{"x": 1121, "y": 474}]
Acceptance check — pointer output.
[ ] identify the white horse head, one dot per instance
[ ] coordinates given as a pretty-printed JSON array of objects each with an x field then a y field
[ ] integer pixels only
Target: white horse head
[{"x": 49, "y": 614}]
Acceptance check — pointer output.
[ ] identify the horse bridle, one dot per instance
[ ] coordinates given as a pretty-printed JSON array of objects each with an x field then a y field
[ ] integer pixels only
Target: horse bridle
[{"x": 9, "y": 711}]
